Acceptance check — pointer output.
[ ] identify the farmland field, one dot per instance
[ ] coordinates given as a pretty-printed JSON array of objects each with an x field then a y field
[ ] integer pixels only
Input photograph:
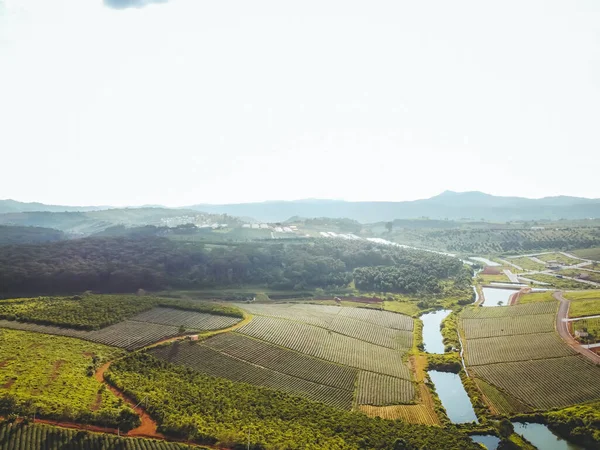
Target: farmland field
[
  {"x": 577, "y": 273},
  {"x": 509, "y": 311},
  {"x": 535, "y": 297},
  {"x": 19, "y": 436},
  {"x": 519, "y": 361},
  {"x": 129, "y": 335},
  {"x": 211, "y": 362},
  {"x": 560, "y": 283},
  {"x": 380, "y": 390},
  {"x": 500, "y": 326},
  {"x": 327, "y": 345},
  {"x": 588, "y": 253},
  {"x": 527, "y": 263},
  {"x": 515, "y": 348},
  {"x": 546, "y": 383},
  {"x": 583, "y": 303},
  {"x": 501, "y": 402},
  {"x": 187, "y": 319},
  {"x": 381, "y": 328},
  {"x": 282, "y": 360},
  {"x": 562, "y": 259},
  {"x": 52, "y": 373}
]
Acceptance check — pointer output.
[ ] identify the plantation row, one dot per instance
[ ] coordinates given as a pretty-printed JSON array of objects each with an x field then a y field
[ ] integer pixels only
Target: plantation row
[
  {"x": 187, "y": 319},
  {"x": 522, "y": 347},
  {"x": 380, "y": 390},
  {"x": 17, "y": 436},
  {"x": 501, "y": 326},
  {"x": 503, "y": 403},
  {"x": 285, "y": 361},
  {"x": 327, "y": 345},
  {"x": 546, "y": 383},
  {"x": 322, "y": 315},
  {"x": 420, "y": 414},
  {"x": 510, "y": 311},
  {"x": 129, "y": 334},
  {"x": 384, "y": 337},
  {"x": 211, "y": 362}
]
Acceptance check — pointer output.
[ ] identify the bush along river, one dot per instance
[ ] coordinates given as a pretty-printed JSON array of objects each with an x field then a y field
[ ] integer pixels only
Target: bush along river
[{"x": 542, "y": 437}]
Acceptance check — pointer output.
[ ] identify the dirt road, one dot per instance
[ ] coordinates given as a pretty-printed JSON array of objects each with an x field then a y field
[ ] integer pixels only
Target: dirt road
[{"x": 562, "y": 326}]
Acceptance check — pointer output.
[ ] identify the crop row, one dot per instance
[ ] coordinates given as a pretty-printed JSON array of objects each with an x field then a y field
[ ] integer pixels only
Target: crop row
[
  {"x": 340, "y": 320},
  {"x": 17, "y": 436},
  {"x": 515, "y": 348},
  {"x": 282, "y": 360},
  {"x": 406, "y": 413},
  {"x": 327, "y": 345},
  {"x": 510, "y": 311},
  {"x": 547, "y": 383},
  {"x": 128, "y": 334},
  {"x": 211, "y": 362},
  {"x": 501, "y": 326},
  {"x": 322, "y": 315},
  {"x": 381, "y": 390},
  {"x": 502, "y": 403},
  {"x": 187, "y": 319}
]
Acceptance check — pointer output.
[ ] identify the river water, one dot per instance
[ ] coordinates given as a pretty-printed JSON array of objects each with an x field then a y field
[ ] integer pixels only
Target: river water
[
  {"x": 432, "y": 337},
  {"x": 453, "y": 396},
  {"x": 540, "y": 436}
]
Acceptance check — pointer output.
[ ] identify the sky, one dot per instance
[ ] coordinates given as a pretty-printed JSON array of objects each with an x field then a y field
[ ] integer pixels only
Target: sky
[{"x": 181, "y": 102}]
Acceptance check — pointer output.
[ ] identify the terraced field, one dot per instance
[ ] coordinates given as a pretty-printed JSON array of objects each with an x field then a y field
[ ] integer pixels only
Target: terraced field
[
  {"x": 546, "y": 383},
  {"x": 520, "y": 362},
  {"x": 211, "y": 362},
  {"x": 517, "y": 310},
  {"x": 327, "y": 345},
  {"x": 285, "y": 361},
  {"x": 187, "y": 319},
  {"x": 377, "y": 327},
  {"x": 501, "y": 326}
]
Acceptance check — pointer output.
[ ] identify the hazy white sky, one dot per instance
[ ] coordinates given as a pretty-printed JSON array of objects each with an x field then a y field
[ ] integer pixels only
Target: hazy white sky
[{"x": 189, "y": 101}]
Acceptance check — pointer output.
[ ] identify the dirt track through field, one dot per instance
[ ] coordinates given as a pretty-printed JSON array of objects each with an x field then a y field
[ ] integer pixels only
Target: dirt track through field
[{"x": 562, "y": 326}]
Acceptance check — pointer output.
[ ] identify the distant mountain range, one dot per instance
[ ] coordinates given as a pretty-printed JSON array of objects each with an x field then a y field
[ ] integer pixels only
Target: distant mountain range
[{"x": 448, "y": 205}]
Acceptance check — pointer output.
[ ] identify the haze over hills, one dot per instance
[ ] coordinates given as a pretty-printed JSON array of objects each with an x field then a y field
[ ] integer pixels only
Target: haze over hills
[{"x": 448, "y": 205}]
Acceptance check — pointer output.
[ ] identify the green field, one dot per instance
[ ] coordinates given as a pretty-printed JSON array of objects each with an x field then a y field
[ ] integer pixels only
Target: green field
[
  {"x": 577, "y": 273},
  {"x": 560, "y": 283},
  {"x": 588, "y": 253},
  {"x": 53, "y": 375},
  {"x": 208, "y": 409},
  {"x": 527, "y": 263},
  {"x": 583, "y": 303},
  {"x": 559, "y": 257},
  {"x": 535, "y": 297}
]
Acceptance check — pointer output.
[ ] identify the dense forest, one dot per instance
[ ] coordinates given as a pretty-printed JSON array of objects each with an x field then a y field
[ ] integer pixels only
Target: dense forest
[
  {"x": 10, "y": 235},
  {"x": 209, "y": 410},
  {"x": 155, "y": 263}
]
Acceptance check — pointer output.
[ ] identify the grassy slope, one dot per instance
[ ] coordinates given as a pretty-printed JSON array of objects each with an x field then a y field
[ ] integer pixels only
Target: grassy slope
[
  {"x": 588, "y": 253},
  {"x": 583, "y": 303},
  {"x": 536, "y": 297}
]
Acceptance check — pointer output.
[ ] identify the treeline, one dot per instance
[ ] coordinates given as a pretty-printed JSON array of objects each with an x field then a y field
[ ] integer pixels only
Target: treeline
[
  {"x": 223, "y": 413},
  {"x": 92, "y": 312},
  {"x": 155, "y": 263},
  {"x": 11, "y": 235}
]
